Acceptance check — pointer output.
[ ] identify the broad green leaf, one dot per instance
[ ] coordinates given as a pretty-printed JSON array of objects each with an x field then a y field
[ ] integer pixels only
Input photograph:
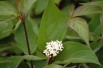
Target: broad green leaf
[
  {"x": 6, "y": 28},
  {"x": 72, "y": 35},
  {"x": 26, "y": 5},
  {"x": 41, "y": 64},
  {"x": 7, "y": 9},
  {"x": 95, "y": 26},
  {"x": 52, "y": 26},
  {"x": 95, "y": 3},
  {"x": 81, "y": 27},
  {"x": 3, "y": 60},
  {"x": 53, "y": 66},
  {"x": 21, "y": 40},
  {"x": 31, "y": 57},
  {"x": 40, "y": 54},
  {"x": 35, "y": 23},
  {"x": 74, "y": 52},
  {"x": 14, "y": 62},
  {"x": 86, "y": 10},
  {"x": 40, "y": 6}
]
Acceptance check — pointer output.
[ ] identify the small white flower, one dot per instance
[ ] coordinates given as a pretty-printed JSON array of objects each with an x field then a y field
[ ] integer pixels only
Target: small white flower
[{"x": 53, "y": 48}]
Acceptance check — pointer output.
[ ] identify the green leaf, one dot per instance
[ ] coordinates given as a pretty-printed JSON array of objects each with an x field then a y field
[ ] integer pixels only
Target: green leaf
[
  {"x": 3, "y": 17},
  {"x": 26, "y": 5},
  {"x": 7, "y": 9},
  {"x": 31, "y": 57},
  {"x": 74, "y": 52},
  {"x": 24, "y": 65},
  {"x": 95, "y": 26},
  {"x": 96, "y": 45},
  {"x": 40, "y": 6},
  {"x": 53, "y": 66},
  {"x": 6, "y": 28},
  {"x": 16, "y": 49},
  {"x": 81, "y": 27},
  {"x": 52, "y": 26},
  {"x": 21, "y": 40},
  {"x": 35, "y": 23},
  {"x": 56, "y": 1},
  {"x": 4, "y": 47},
  {"x": 40, "y": 54},
  {"x": 3, "y": 60},
  {"x": 14, "y": 62},
  {"x": 41, "y": 64},
  {"x": 95, "y": 3},
  {"x": 72, "y": 35},
  {"x": 86, "y": 10}
]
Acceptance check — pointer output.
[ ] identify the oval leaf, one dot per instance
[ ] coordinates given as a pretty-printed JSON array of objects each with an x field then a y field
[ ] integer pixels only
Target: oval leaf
[
  {"x": 6, "y": 28},
  {"x": 26, "y": 5},
  {"x": 86, "y": 10},
  {"x": 95, "y": 3},
  {"x": 81, "y": 27},
  {"x": 76, "y": 53},
  {"x": 52, "y": 26},
  {"x": 7, "y": 9},
  {"x": 14, "y": 62}
]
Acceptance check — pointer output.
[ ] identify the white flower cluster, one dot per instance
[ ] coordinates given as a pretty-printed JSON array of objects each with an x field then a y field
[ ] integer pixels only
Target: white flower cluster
[{"x": 53, "y": 48}]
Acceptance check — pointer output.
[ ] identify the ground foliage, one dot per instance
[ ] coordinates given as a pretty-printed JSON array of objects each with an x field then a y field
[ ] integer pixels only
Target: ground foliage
[{"x": 26, "y": 26}]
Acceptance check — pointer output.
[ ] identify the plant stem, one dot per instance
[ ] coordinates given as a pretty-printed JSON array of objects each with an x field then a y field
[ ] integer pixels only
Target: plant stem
[
  {"x": 26, "y": 36},
  {"x": 51, "y": 60}
]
